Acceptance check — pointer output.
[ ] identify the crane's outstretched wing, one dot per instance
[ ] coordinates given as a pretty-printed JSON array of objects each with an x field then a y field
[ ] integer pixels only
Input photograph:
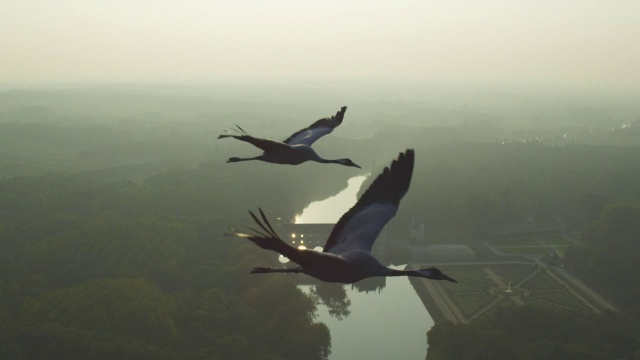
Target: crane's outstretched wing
[
  {"x": 359, "y": 227},
  {"x": 318, "y": 129}
]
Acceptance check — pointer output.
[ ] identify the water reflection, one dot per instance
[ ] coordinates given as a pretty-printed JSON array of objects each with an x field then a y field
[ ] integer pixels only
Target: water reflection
[
  {"x": 334, "y": 297},
  {"x": 370, "y": 284},
  {"x": 389, "y": 324}
]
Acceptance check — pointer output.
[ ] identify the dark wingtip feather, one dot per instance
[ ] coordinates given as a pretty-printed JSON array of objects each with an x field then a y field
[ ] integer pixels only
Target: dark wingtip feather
[
  {"x": 266, "y": 221},
  {"x": 394, "y": 181},
  {"x": 340, "y": 114}
]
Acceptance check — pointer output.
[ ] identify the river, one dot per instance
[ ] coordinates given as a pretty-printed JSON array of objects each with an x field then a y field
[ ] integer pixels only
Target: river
[{"x": 387, "y": 324}]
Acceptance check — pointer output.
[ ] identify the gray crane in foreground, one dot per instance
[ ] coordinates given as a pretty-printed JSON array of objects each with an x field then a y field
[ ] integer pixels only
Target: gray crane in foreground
[
  {"x": 297, "y": 148},
  {"x": 347, "y": 254}
]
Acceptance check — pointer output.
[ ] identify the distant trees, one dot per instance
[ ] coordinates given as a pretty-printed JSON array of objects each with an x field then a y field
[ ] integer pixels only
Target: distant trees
[
  {"x": 610, "y": 260},
  {"x": 476, "y": 188},
  {"x": 334, "y": 297},
  {"x": 128, "y": 271}
]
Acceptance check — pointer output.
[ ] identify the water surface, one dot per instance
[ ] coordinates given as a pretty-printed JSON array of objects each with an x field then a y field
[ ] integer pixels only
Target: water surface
[{"x": 391, "y": 324}]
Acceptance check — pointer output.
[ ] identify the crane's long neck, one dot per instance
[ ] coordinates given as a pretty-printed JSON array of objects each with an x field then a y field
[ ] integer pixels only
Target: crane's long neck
[
  {"x": 330, "y": 161},
  {"x": 430, "y": 273},
  {"x": 394, "y": 272},
  {"x": 425, "y": 273}
]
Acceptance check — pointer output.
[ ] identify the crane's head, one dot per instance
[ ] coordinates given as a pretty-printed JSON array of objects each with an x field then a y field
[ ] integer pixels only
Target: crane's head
[
  {"x": 433, "y": 274},
  {"x": 348, "y": 162}
]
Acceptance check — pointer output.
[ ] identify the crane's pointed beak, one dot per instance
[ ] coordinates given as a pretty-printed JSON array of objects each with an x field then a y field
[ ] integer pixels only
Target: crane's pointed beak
[{"x": 445, "y": 277}]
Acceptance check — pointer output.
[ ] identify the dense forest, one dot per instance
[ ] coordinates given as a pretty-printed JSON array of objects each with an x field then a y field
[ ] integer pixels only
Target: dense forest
[
  {"x": 609, "y": 259},
  {"x": 112, "y": 221},
  {"x": 122, "y": 270}
]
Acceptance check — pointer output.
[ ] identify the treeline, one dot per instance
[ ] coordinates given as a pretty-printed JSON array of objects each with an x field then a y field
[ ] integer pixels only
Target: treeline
[
  {"x": 610, "y": 262},
  {"x": 610, "y": 259},
  {"x": 119, "y": 270},
  {"x": 485, "y": 187},
  {"x": 527, "y": 332}
]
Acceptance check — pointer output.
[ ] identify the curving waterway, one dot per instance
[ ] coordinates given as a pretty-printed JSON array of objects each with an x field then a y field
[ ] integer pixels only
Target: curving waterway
[
  {"x": 390, "y": 323},
  {"x": 329, "y": 211}
]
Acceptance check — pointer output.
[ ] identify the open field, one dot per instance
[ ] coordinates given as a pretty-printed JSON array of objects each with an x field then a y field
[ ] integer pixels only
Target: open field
[
  {"x": 542, "y": 282},
  {"x": 469, "y": 275},
  {"x": 479, "y": 293},
  {"x": 514, "y": 274},
  {"x": 559, "y": 298},
  {"x": 470, "y": 304}
]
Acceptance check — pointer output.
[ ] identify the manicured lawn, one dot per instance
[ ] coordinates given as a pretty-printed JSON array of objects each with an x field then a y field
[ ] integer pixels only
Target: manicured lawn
[
  {"x": 563, "y": 298},
  {"x": 514, "y": 273},
  {"x": 471, "y": 274},
  {"x": 471, "y": 304},
  {"x": 561, "y": 249},
  {"x": 542, "y": 281}
]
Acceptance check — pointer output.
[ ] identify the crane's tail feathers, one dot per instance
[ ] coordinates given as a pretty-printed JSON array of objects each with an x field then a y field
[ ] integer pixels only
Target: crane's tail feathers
[
  {"x": 232, "y": 132},
  {"x": 266, "y": 226},
  {"x": 266, "y": 221},
  {"x": 267, "y": 238}
]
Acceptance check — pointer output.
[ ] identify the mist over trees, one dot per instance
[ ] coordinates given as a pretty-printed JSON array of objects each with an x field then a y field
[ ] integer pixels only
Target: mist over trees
[{"x": 114, "y": 202}]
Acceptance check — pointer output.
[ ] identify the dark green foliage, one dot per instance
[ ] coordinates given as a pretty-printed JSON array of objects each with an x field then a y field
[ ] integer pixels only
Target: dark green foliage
[
  {"x": 478, "y": 188},
  {"x": 128, "y": 271},
  {"x": 609, "y": 260}
]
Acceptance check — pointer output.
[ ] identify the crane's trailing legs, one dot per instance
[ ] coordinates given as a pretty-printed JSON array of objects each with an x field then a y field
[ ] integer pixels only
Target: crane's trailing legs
[
  {"x": 237, "y": 159},
  {"x": 264, "y": 270}
]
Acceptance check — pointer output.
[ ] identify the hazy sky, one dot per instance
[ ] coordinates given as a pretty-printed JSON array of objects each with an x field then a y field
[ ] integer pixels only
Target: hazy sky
[{"x": 573, "y": 42}]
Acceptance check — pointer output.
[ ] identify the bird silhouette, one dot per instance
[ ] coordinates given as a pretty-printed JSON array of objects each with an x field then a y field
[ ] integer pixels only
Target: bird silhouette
[
  {"x": 297, "y": 148},
  {"x": 347, "y": 254}
]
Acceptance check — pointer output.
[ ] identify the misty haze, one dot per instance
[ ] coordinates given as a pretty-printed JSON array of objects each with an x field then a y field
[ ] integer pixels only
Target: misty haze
[{"x": 117, "y": 196}]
